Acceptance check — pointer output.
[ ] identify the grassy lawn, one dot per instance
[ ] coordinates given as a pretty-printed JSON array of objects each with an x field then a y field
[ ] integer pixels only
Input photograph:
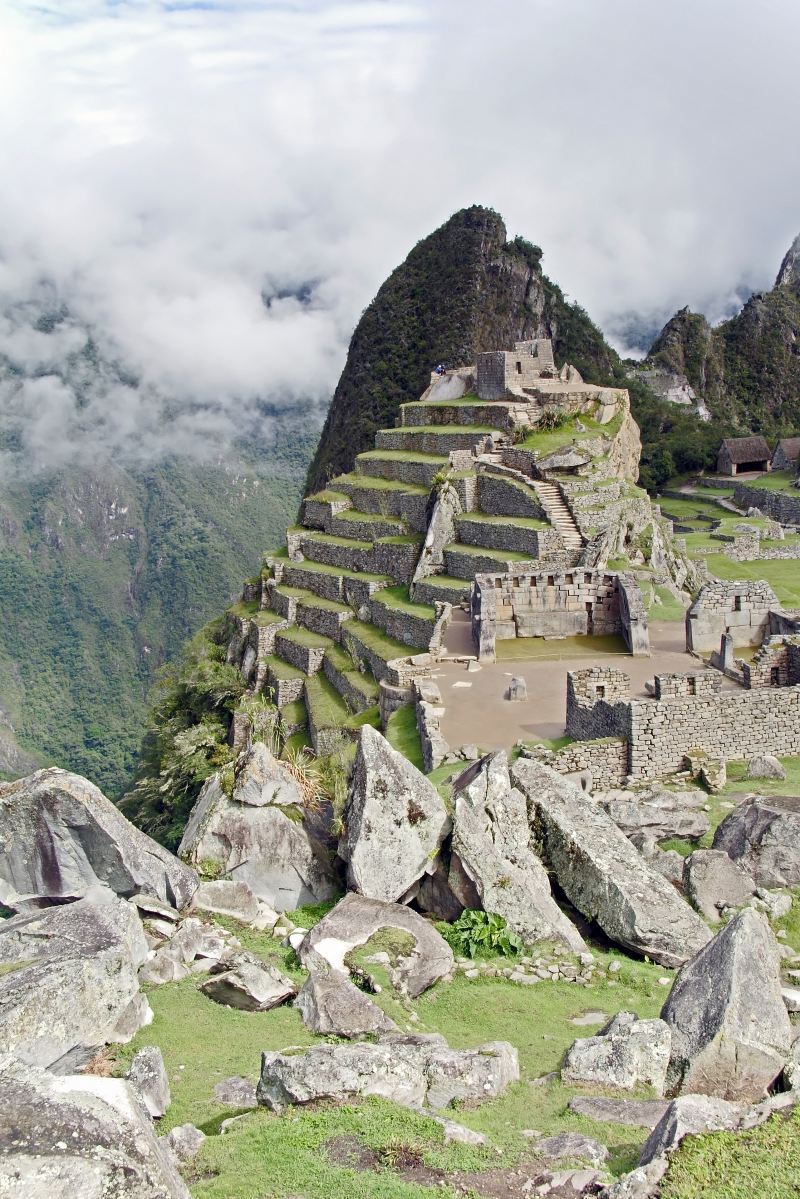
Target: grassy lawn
[
  {"x": 322, "y": 568},
  {"x": 314, "y": 538},
  {"x": 374, "y": 518},
  {"x": 776, "y": 480},
  {"x": 305, "y": 637},
  {"x": 782, "y": 575},
  {"x": 668, "y": 608},
  {"x": 402, "y": 734},
  {"x": 402, "y": 456},
  {"x": 375, "y": 483},
  {"x": 282, "y": 669},
  {"x": 480, "y": 551},
  {"x": 518, "y": 649},
  {"x": 326, "y": 708},
  {"x": 363, "y": 681},
  {"x": 443, "y": 430},
  {"x": 522, "y": 522}
]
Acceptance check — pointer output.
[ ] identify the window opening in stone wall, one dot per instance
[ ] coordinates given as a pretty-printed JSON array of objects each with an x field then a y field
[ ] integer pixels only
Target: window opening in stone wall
[
  {"x": 519, "y": 368},
  {"x": 737, "y": 603},
  {"x": 601, "y": 693},
  {"x": 775, "y": 676},
  {"x": 692, "y": 686}
]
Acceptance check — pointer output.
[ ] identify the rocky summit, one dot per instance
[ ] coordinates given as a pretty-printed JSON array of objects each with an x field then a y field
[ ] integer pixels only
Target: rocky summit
[{"x": 464, "y": 857}]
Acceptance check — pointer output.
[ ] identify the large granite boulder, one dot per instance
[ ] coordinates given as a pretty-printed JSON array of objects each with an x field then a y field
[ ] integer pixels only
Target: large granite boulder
[
  {"x": 224, "y": 897},
  {"x": 730, "y": 1030},
  {"x": 330, "y": 1005},
  {"x": 627, "y": 1053},
  {"x": 59, "y": 836},
  {"x": 657, "y": 812},
  {"x": 762, "y": 834},
  {"x": 68, "y": 979},
  {"x": 765, "y": 766},
  {"x": 602, "y": 873},
  {"x": 78, "y": 1137},
  {"x": 689, "y": 1115},
  {"x": 491, "y": 839},
  {"x": 713, "y": 882},
  {"x": 355, "y": 920},
  {"x": 411, "y": 1070},
  {"x": 394, "y": 823},
  {"x": 260, "y": 835}
]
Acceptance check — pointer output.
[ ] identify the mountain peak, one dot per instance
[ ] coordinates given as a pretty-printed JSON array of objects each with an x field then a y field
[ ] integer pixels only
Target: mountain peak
[{"x": 789, "y": 274}]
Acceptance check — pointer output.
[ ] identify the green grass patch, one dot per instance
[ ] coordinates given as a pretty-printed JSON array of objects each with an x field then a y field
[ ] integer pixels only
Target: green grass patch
[
  {"x": 481, "y": 551},
  {"x": 294, "y": 713},
  {"x": 519, "y": 522},
  {"x": 546, "y": 442},
  {"x": 282, "y": 669},
  {"x": 375, "y": 483},
  {"x": 517, "y": 649},
  {"x": 326, "y": 708},
  {"x": 315, "y": 538},
  {"x": 327, "y": 496},
  {"x": 244, "y": 608},
  {"x": 397, "y": 598},
  {"x": 373, "y": 518},
  {"x": 782, "y": 575},
  {"x": 738, "y": 783},
  {"x": 378, "y": 642},
  {"x": 776, "y": 480},
  {"x": 363, "y": 681},
  {"x": 297, "y": 742},
  {"x": 668, "y": 608},
  {"x": 402, "y": 456},
  {"x": 403, "y": 735},
  {"x": 305, "y": 637},
  {"x": 763, "y": 1163}
]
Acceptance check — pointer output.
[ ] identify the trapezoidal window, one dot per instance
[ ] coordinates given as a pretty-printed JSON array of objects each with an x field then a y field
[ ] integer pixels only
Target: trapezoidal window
[{"x": 737, "y": 603}]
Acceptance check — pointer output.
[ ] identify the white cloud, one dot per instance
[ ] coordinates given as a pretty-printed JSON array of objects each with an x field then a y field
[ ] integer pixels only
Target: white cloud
[{"x": 170, "y": 164}]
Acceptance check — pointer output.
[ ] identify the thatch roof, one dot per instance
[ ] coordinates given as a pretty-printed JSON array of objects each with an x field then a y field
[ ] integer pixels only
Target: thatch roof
[
  {"x": 746, "y": 449},
  {"x": 789, "y": 447}
]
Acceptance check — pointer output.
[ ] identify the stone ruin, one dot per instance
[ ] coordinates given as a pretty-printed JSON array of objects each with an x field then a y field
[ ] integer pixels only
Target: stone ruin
[{"x": 550, "y": 605}]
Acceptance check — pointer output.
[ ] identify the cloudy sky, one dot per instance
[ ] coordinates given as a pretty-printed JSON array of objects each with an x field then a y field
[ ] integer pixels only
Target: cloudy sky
[{"x": 175, "y": 171}]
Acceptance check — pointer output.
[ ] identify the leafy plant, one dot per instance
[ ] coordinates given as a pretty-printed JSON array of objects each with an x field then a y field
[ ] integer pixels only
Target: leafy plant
[{"x": 481, "y": 934}]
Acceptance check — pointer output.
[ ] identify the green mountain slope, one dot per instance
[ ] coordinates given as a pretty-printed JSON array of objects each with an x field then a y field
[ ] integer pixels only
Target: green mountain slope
[
  {"x": 104, "y": 573},
  {"x": 747, "y": 369},
  {"x": 462, "y": 290}
]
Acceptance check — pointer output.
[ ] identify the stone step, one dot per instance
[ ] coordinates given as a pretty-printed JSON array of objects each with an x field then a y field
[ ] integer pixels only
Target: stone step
[
  {"x": 521, "y": 534},
  {"x": 320, "y": 508},
  {"x": 365, "y": 526},
  {"x": 374, "y": 648},
  {"x": 345, "y": 586},
  {"x": 558, "y": 513},
  {"x": 386, "y": 497},
  {"x": 411, "y": 623},
  {"x": 301, "y": 648},
  {"x": 438, "y": 439},
  {"x": 357, "y": 688},
  {"x": 402, "y": 466},
  {"x": 393, "y": 556},
  {"x": 283, "y": 682},
  {"x": 466, "y": 561},
  {"x": 467, "y": 411},
  {"x": 445, "y": 588}
]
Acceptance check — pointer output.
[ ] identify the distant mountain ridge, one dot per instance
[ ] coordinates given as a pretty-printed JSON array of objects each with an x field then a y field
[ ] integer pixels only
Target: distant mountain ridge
[
  {"x": 746, "y": 370},
  {"x": 464, "y": 289}
]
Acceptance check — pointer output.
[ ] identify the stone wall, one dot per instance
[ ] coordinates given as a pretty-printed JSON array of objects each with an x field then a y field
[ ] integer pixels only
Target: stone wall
[
  {"x": 429, "y": 713},
  {"x": 777, "y": 664},
  {"x": 598, "y": 704},
  {"x": 775, "y": 504},
  {"x": 602, "y": 764},
  {"x": 503, "y": 372},
  {"x": 543, "y": 604},
  {"x": 739, "y": 608}
]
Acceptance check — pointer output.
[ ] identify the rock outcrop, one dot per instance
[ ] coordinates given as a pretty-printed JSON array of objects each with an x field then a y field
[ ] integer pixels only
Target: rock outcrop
[
  {"x": 762, "y": 834},
  {"x": 713, "y": 882},
  {"x": 356, "y": 919},
  {"x": 330, "y": 1005},
  {"x": 491, "y": 839},
  {"x": 627, "y": 1053},
  {"x": 259, "y": 835},
  {"x": 601, "y": 872},
  {"x": 148, "y": 1074},
  {"x": 79, "y": 1136},
  {"x": 242, "y": 981},
  {"x": 730, "y": 1030},
  {"x": 411, "y": 1070},
  {"x": 657, "y": 813},
  {"x": 59, "y": 836},
  {"x": 689, "y": 1116},
  {"x": 395, "y": 822},
  {"x": 69, "y": 980}
]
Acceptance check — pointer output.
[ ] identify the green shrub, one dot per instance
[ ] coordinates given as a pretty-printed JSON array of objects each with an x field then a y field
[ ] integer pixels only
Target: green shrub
[{"x": 481, "y": 934}]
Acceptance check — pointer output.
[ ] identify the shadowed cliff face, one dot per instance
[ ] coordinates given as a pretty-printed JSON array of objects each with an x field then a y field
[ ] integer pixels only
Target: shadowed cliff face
[
  {"x": 463, "y": 290},
  {"x": 747, "y": 369}
]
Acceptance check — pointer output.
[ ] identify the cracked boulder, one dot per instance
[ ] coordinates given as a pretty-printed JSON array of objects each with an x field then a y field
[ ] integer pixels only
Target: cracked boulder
[
  {"x": 242, "y": 981},
  {"x": 731, "y": 1034},
  {"x": 762, "y": 834},
  {"x": 421, "y": 957},
  {"x": 395, "y": 822},
  {"x": 148, "y": 1074},
  {"x": 713, "y": 882},
  {"x": 79, "y": 1136},
  {"x": 331, "y": 1005},
  {"x": 657, "y": 813},
  {"x": 689, "y": 1115},
  {"x": 60, "y": 836},
  {"x": 260, "y": 835},
  {"x": 410, "y": 1070},
  {"x": 627, "y": 1053},
  {"x": 491, "y": 840},
  {"x": 68, "y": 980},
  {"x": 601, "y": 872}
]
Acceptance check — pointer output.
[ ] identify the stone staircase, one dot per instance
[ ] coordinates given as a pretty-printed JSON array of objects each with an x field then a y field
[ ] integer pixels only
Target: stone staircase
[{"x": 558, "y": 513}]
